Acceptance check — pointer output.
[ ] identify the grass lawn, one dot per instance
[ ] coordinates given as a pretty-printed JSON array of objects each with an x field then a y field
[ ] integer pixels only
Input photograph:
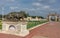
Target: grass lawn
[{"x": 34, "y": 23}]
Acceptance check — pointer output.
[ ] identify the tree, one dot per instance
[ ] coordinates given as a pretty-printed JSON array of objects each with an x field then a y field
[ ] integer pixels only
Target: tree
[
  {"x": 40, "y": 17},
  {"x": 17, "y": 15},
  {"x": 23, "y": 13}
]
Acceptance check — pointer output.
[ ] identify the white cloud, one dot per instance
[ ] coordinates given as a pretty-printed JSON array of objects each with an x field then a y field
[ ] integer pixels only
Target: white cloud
[
  {"x": 55, "y": 9},
  {"x": 37, "y": 4},
  {"x": 29, "y": 9},
  {"x": 32, "y": 9},
  {"x": 41, "y": 6},
  {"x": 12, "y": 8},
  {"x": 46, "y": 7}
]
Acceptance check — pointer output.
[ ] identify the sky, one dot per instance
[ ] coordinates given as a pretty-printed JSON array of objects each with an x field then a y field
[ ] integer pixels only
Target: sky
[{"x": 33, "y": 7}]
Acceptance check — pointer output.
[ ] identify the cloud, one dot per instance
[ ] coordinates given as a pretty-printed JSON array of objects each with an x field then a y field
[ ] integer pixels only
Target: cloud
[
  {"x": 47, "y": 1},
  {"x": 38, "y": 8},
  {"x": 29, "y": 9},
  {"x": 10, "y": 0},
  {"x": 36, "y": 4},
  {"x": 12, "y": 8},
  {"x": 32, "y": 9},
  {"x": 46, "y": 7},
  {"x": 51, "y": 1},
  {"x": 41, "y": 6}
]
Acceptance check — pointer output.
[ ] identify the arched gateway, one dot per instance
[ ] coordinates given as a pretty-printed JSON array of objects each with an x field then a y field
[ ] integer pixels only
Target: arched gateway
[{"x": 53, "y": 17}]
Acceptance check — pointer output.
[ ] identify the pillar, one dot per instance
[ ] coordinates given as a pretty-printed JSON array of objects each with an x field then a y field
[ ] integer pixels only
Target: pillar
[
  {"x": 56, "y": 18},
  {"x": 4, "y": 26},
  {"x": 49, "y": 18},
  {"x": 24, "y": 31}
]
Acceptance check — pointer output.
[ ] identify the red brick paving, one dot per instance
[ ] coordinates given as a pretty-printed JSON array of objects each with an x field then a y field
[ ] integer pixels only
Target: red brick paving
[
  {"x": 8, "y": 36},
  {"x": 50, "y": 30}
]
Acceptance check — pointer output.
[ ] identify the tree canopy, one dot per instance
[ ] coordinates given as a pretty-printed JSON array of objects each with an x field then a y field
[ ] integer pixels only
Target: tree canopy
[{"x": 16, "y": 15}]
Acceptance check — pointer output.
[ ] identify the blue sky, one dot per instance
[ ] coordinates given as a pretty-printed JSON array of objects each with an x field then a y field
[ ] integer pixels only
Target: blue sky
[{"x": 33, "y": 7}]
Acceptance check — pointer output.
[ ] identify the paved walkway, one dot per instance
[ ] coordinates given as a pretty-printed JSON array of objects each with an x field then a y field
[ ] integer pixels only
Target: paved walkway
[{"x": 50, "y": 30}]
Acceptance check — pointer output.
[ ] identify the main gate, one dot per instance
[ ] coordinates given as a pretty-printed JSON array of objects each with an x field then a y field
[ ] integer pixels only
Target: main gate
[{"x": 53, "y": 17}]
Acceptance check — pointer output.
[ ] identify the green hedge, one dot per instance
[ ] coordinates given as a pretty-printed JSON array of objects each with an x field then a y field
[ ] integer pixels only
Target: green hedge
[{"x": 0, "y": 24}]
